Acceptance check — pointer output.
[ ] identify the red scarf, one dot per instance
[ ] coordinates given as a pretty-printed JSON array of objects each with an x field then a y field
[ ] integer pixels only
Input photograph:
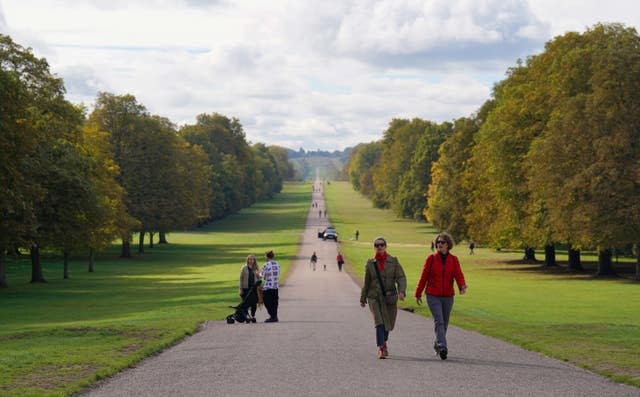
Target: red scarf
[{"x": 381, "y": 259}]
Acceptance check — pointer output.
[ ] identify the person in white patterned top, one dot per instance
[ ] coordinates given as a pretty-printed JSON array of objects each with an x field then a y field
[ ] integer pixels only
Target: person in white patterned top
[{"x": 270, "y": 274}]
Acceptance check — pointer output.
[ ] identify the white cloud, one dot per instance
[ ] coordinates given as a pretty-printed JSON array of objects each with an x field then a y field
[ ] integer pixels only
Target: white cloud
[
  {"x": 577, "y": 15},
  {"x": 297, "y": 73},
  {"x": 3, "y": 23}
]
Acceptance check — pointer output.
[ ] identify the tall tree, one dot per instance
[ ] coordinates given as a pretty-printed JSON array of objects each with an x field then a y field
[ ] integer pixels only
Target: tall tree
[
  {"x": 499, "y": 213},
  {"x": 449, "y": 192},
  {"x": 121, "y": 117},
  {"x": 283, "y": 165},
  {"x": 35, "y": 115},
  {"x": 230, "y": 158},
  {"x": 590, "y": 191},
  {"x": 361, "y": 165},
  {"x": 410, "y": 200},
  {"x": 108, "y": 217},
  {"x": 398, "y": 145}
]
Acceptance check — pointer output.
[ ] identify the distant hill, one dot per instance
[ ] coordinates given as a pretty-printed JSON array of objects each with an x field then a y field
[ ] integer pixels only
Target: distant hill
[{"x": 330, "y": 164}]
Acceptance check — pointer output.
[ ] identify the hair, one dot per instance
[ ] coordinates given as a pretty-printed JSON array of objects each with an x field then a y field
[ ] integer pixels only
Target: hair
[
  {"x": 270, "y": 255},
  {"x": 380, "y": 238},
  {"x": 446, "y": 237},
  {"x": 255, "y": 262}
]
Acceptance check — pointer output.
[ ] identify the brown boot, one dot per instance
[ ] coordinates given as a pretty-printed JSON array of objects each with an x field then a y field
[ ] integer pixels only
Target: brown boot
[{"x": 381, "y": 353}]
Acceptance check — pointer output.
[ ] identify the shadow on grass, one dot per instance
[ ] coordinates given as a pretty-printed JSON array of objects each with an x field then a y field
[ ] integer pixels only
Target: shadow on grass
[{"x": 625, "y": 271}]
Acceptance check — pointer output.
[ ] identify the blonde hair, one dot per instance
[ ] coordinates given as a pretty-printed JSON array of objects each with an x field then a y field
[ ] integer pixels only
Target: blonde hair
[{"x": 255, "y": 261}]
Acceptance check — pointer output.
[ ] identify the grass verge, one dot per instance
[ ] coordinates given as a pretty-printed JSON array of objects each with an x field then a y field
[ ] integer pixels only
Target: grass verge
[{"x": 59, "y": 337}]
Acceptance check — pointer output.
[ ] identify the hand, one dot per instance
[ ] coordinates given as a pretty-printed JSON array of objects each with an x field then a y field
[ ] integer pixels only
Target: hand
[
  {"x": 418, "y": 300},
  {"x": 401, "y": 296},
  {"x": 463, "y": 290}
]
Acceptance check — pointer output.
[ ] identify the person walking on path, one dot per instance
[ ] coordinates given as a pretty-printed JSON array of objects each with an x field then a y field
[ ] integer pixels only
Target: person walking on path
[
  {"x": 340, "y": 261},
  {"x": 313, "y": 261},
  {"x": 249, "y": 275},
  {"x": 271, "y": 274},
  {"x": 384, "y": 284},
  {"x": 472, "y": 246},
  {"x": 438, "y": 273},
  {"x": 357, "y": 234}
]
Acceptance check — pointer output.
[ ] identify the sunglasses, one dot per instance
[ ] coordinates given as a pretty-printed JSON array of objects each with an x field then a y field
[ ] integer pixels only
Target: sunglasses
[
  {"x": 441, "y": 242},
  {"x": 379, "y": 245}
]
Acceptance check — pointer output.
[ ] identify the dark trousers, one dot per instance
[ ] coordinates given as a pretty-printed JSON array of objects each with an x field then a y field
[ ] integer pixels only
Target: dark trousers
[
  {"x": 271, "y": 302},
  {"x": 440, "y": 307},
  {"x": 340, "y": 265},
  {"x": 251, "y": 301},
  {"x": 381, "y": 335}
]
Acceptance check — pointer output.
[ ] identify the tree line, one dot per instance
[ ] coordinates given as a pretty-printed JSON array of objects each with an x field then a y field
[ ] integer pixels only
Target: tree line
[
  {"x": 74, "y": 181},
  {"x": 553, "y": 157}
]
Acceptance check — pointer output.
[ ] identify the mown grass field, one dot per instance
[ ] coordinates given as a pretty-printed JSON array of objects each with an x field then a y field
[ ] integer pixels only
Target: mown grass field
[
  {"x": 59, "y": 337},
  {"x": 592, "y": 323}
]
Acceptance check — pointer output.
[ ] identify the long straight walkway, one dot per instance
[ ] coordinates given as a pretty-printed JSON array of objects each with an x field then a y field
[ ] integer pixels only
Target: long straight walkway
[{"x": 324, "y": 345}]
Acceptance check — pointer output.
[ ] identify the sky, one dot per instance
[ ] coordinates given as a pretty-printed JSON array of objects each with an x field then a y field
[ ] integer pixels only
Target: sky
[{"x": 312, "y": 74}]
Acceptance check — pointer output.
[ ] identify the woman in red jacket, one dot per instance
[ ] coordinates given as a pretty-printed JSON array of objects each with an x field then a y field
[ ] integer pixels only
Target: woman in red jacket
[{"x": 438, "y": 273}]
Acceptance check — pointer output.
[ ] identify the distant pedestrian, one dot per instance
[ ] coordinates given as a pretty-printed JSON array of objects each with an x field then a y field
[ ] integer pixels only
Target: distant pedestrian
[
  {"x": 433, "y": 246},
  {"x": 438, "y": 273},
  {"x": 340, "y": 261},
  {"x": 313, "y": 261},
  {"x": 357, "y": 234},
  {"x": 249, "y": 276},
  {"x": 472, "y": 246},
  {"x": 384, "y": 284},
  {"x": 320, "y": 214},
  {"x": 271, "y": 274}
]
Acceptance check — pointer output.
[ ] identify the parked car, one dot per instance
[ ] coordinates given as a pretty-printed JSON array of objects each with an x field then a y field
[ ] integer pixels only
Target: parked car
[{"x": 329, "y": 233}]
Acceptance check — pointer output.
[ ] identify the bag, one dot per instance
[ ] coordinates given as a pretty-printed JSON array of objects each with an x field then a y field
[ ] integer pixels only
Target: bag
[{"x": 390, "y": 297}]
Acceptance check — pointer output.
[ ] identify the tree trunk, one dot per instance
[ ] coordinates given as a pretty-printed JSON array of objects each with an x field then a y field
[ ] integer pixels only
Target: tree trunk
[
  {"x": 151, "y": 234},
  {"x": 638, "y": 262},
  {"x": 90, "y": 260},
  {"x": 605, "y": 268},
  {"x": 575, "y": 264},
  {"x": 36, "y": 266},
  {"x": 3, "y": 271},
  {"x": 126, "y": 248},
  {"x": 530, "y": 254},
  {"x": 65, "y": 255},
  {"x": 550, "y": 255},
  {"x": 141, "y": 242},
  {"x": 163, "y": 237}
]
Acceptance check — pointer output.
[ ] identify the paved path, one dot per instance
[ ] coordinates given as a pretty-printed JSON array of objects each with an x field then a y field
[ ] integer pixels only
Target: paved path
[{"x": 324, "y": 345}]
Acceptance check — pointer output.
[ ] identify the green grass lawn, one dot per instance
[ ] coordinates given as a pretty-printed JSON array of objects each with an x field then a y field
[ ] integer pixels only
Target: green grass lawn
[
  {"x": 59, "y": 337},
  {"x": 592, "y": 323}
]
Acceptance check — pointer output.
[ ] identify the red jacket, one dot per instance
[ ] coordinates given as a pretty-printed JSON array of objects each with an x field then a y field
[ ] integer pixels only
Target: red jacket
[{"x": 438, "y": 278}]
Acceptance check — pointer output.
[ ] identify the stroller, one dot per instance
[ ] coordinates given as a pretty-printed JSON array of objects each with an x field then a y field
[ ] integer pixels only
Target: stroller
[{"x": 242, "y": 315}]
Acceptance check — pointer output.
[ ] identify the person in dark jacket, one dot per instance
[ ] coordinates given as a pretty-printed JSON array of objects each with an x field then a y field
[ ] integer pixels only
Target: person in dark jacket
[
  {"x": 373, "y": 293},
  {"x": 438, "y": 273}
]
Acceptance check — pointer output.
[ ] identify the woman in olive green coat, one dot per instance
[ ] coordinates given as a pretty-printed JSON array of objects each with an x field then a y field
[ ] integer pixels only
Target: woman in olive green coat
[{"x": 394, "y": 281}]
